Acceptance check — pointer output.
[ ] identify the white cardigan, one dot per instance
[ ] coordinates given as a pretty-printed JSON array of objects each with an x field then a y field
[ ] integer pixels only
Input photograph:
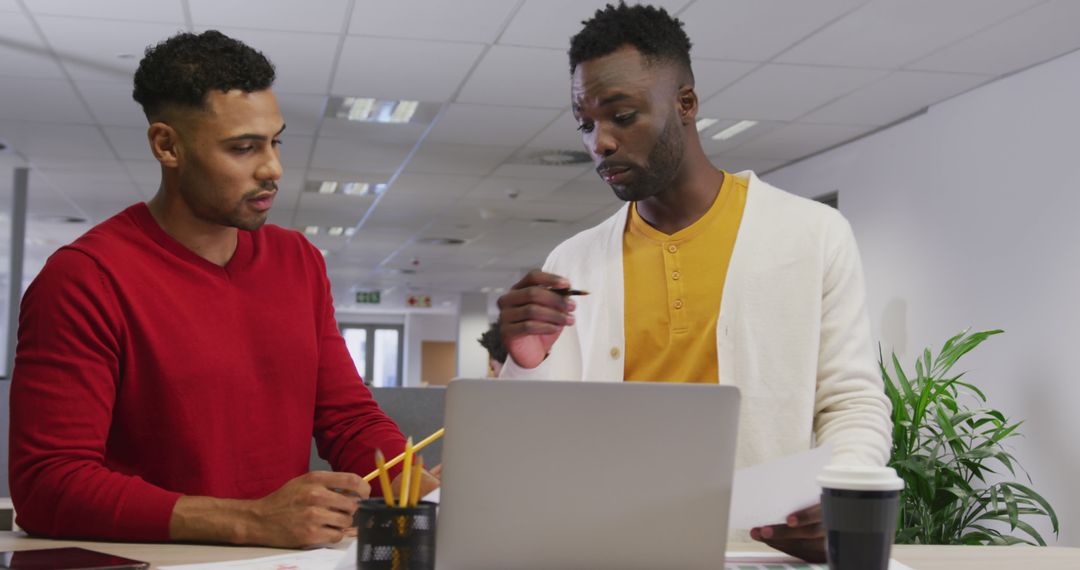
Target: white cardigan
[{"x": 793, "y": 332}]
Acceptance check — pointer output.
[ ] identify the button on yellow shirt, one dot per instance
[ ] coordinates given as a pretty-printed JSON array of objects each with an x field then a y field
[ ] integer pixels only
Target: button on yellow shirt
[{"x": 673, "y": 285}]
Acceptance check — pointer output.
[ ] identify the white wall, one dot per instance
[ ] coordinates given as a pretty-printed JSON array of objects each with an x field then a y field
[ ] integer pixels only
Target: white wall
[
  {"x": 425, "y": 326},
  {"x": 473, "y": 321},
  {"x": 966, "y": 217}
]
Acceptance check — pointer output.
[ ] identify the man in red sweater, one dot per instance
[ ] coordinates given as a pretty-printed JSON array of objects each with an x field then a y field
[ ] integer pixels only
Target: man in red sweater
[{"x": 174, "y": 362}]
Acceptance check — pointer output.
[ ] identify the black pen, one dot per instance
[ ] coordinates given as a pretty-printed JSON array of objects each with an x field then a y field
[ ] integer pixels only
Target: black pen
[{"x": 566, "y": 291}]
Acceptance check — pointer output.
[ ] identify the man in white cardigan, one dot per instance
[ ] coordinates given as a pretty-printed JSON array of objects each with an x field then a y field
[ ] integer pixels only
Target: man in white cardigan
[{"x": 703, "y": 276}]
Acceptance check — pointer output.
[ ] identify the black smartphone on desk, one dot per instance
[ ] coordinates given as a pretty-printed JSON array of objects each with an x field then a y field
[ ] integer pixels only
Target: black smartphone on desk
[{"x": 67, "y": 559}]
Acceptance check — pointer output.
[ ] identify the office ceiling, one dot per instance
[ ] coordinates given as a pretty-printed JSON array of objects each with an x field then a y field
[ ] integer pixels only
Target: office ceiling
[{"x": 493, "y": 75}]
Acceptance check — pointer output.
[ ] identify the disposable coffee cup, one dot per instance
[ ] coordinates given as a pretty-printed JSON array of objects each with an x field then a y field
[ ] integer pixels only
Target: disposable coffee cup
[{"x": 859, "y": 507}]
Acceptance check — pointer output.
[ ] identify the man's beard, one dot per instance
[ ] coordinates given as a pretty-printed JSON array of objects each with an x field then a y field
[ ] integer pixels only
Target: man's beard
[
  {"x": 238, "y": 217},
  {"x": 661, "y": 167}
]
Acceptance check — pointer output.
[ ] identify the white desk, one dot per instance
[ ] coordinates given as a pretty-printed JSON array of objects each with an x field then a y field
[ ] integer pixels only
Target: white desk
[{"x": 918, "y": 557}]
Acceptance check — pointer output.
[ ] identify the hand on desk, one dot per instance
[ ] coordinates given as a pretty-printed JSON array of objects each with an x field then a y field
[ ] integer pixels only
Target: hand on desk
[
  {"x": 803, "y": 536},
  {"x": 531, "y": 316},
  {"x": 314, "y": 508}
]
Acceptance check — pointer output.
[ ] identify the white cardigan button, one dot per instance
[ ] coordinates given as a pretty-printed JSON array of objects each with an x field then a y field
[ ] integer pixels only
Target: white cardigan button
[{"x": 615, "y": 352}]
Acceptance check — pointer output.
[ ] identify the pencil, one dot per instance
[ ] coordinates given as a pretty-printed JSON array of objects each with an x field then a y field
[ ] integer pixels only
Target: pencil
[
  {"x": 423, "y": 443},
  {"x": 384, "y": 478},
  {"x": 566, "y": 291},
  {"x": 417, "y": 476},
  {"x": 406, "y": 474}
]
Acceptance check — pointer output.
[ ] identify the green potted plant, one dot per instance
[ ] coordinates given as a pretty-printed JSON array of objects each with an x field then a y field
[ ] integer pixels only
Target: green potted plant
[{"x": 950, "y": 450}]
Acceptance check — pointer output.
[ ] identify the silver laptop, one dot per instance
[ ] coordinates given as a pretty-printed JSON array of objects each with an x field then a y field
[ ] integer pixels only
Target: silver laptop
[{"x": 585, "y": 475}]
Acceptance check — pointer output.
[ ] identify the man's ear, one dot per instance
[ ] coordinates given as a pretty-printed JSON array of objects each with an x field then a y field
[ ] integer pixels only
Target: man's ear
[
  {"x": 688, "y": 104},
  {"x": 164, "y": 144}
]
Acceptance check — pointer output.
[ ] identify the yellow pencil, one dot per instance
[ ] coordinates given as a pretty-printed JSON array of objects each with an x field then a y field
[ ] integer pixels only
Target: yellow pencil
[
  {"x": 384, "y": 478},
  {"x": 406, "y": 474},
  {"x": 417, "y": 476},
  {"x": 423, "y": 443}
]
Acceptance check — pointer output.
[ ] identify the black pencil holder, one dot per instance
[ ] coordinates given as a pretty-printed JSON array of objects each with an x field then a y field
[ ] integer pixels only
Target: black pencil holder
[{"x": 395, "y": 538}]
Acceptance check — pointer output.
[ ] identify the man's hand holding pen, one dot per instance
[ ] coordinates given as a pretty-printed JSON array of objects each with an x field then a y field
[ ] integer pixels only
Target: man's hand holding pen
[{"x": 532, "y": 315}]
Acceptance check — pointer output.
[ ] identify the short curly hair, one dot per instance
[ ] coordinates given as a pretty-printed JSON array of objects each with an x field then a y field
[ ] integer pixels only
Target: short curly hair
[
  {"x": 184, "y": 68},
  {"x": 652, "y": 31}
]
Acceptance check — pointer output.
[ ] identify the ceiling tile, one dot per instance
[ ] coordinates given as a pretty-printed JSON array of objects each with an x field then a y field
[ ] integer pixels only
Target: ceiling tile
[
  {"x": 547, "y": 83},
  {"x": 409, "y": 211},
  {"x": 489, "y": 124},
  {"x": 295, "y": 151},
  {"x": 303, "y": 61},
  {"x": 498, "y": 189},
  {"x": 168, "y": 11},
  {"x": 326, "y": 218},
  {"x": 735, "y": 164},
  {"x": 411, "y": 184},
  {"x": 146, "y": 173},
  {"x": 290, "y": 187},
  {"x": 551, "y": 23},
  {"x": 348, "y": 175},
  {"x": 444, "y": 158},
  {"x": 91, "y": 169},
  {"x": 561, "y": 211},
  {"x": 1041, "y": 33},
  {"x": 81, "y": 190},
  {"x": 90, "y": 51},
  {"x": 561, "y": 134},
  {"x": 585, "y": 191},
  {"x": 568, "y": 172},
  {"x": 711, "y": 75},
  {"x": 45, "y": 141},
  {"x": 100, "y": 210},
  {"x": 784, "y": 92},
  {"x": 358, "y": 155},
  {"x": 22, "y": 53},
  {"x": 712, "y": 146},
  {"x": 403, "y": 69},
  {"x": 302, "y": 113},
  {"x": 51, "y": 100},
  {"x": 408, "y": 133},
  {"x": 280, "y": 216},
  {"x": 314, "y": 16},
  {"x": 351, "y": 207},
  {"x": 890, "y": 34},
  {"x": 450, "y": 20},
  {"x": 130, "y": 142},
  {"x": 111, "y": 103},
  {"x": 756, "y": 30},
  {"x": 796, "y": 141},
  {"x": 894, "y": 97}
]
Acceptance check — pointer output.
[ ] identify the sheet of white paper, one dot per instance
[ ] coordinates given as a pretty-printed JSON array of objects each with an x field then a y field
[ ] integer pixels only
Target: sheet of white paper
[
  {"x": 776, "y": 561},
  {"x": 768, "y": 492},
  {"x": 432, "y": 497},
  {"x": 348, "y": 561},
  {"x": 320, "y": 559}
]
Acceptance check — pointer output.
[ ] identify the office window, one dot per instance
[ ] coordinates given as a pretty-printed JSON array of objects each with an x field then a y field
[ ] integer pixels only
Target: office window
[{"x": 377, "y": 352}]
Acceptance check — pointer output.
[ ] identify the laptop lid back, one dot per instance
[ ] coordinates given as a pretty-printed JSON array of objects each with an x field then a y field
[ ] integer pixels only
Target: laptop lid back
[{"x": 586, "y": 475}]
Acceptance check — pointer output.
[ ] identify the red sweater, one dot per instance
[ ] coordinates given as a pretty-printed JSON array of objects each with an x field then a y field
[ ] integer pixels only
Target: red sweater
[{"x": 144, "y": 372}]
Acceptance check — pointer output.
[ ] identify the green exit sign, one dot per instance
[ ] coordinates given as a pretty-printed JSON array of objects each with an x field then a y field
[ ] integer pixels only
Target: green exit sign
[{"x": 368, "y": 297}]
